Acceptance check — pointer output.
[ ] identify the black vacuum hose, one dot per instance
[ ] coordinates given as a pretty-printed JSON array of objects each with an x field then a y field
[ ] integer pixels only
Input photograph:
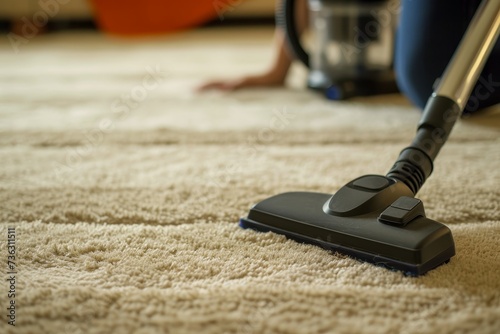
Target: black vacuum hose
[
  {"x": 415, "y": 163},
  {"x": 286, "y": 19}
]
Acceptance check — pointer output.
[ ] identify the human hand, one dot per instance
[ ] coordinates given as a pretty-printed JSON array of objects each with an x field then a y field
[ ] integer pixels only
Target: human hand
[{"x": 263, "y": 80}]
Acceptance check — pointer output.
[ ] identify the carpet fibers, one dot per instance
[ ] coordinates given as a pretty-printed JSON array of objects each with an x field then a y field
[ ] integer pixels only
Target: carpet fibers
[{"x": 121, "y": 189}]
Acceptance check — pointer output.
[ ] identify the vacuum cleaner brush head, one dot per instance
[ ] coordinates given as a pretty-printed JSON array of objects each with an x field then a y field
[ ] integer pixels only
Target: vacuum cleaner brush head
[{"x": 373, "y": 218}]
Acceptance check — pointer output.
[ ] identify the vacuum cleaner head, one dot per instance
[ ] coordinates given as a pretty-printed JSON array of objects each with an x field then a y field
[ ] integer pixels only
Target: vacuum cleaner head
[{"x": 372, "y": 218}]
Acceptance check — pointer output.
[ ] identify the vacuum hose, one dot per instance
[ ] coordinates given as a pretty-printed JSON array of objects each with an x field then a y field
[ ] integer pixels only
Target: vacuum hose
[
  {"x": 415, "y": 163},
  {"x": 285, "y": 18}
]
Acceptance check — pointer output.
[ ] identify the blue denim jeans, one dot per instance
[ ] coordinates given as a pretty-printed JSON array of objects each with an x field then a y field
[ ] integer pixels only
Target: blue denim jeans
[{"x": 429, "y": 32}]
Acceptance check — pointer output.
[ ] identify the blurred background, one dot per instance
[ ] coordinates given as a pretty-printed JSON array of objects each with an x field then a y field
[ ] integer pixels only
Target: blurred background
[
  {"x": 69, "y": 63},
  {"x": 128, "y": 17}
]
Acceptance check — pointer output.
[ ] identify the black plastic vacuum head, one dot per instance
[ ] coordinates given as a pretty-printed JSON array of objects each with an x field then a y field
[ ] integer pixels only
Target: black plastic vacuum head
[{"x": 372, "y": 218}]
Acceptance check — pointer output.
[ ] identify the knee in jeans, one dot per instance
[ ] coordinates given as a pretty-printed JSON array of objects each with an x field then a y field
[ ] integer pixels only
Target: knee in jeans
[{"x": 413, "y": 81}]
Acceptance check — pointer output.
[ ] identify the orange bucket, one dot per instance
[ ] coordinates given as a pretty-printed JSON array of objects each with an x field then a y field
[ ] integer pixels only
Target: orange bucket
[{"x": 133, "y": 17}]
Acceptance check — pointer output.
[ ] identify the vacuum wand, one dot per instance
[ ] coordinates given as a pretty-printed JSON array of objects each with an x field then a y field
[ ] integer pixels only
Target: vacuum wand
[{"x": 415, "y": 163}]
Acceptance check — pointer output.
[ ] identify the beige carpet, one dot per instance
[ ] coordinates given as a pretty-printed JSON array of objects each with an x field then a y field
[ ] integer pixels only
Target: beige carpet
[{"x": 125, "y": 189}]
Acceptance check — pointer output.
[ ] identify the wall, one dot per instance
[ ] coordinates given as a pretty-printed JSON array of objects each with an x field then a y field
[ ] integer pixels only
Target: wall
[{"x": 80, "y": 9}]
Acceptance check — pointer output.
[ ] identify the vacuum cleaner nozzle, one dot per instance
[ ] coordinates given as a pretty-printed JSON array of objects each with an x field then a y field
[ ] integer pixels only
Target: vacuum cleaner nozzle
[{"x": 372, "y": 218}]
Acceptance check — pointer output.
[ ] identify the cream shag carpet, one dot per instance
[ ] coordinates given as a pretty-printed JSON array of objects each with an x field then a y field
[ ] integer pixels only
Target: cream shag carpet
[{"x": 125, "y": 187}]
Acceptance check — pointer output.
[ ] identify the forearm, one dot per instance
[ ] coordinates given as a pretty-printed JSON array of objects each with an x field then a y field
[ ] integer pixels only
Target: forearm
[{"x": 275, "y": 75}]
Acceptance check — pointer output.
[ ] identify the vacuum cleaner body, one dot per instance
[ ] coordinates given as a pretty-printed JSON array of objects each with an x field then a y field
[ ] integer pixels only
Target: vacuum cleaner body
[
  {"x": 372, "y": 218},
  {"x": 376, "y": 218},
  {"x": 352, "y": 46}
]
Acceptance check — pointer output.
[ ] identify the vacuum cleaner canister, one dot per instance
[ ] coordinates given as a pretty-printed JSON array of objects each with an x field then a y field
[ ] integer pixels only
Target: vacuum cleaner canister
[{"x": 366, "y": 219}]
